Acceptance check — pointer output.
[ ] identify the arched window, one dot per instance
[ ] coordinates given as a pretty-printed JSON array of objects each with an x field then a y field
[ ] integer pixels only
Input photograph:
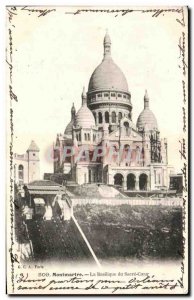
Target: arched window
[
  {"x": 100, "y": 117},
  {"x": 113, "y": 117},
  {"x": 126, "y": 125},
  {"x": 106, "y": 117},
  {"x": 88, "y": 137},
  {"x": 85, "y": 136},
  {"x": 80, "y": 136},
  {"x": 21, "y": 172},
  {"x": 119, "y": 116}
]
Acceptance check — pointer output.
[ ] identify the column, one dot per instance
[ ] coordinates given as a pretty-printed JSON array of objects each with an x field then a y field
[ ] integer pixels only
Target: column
[
  {"x": 97, "y": 119},
  {"x": 148, "y": 183},
  {"x": 82, "y": 135},
  {"x": 125, "y": 183},
  {"x": 137, "y": 183},
  {"x": 110, "y": 179},
  {"x": 152, "y": 179},
  {"x": 103, "y": 117},
  {"x": 117, "y": 118}
]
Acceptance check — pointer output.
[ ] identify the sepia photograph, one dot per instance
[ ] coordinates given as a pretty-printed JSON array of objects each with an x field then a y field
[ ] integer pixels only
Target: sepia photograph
[{"x": 97, "y": 150}]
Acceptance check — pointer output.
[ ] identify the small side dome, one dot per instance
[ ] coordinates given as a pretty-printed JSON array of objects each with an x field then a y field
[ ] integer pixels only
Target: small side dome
[
  {"x": 84, "y": 117},
  {"x": 69, "y": 128},
  {"x": 147, "y": 118}
]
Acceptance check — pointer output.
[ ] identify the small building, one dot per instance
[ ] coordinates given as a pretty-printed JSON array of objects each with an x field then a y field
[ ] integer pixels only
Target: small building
[
  {"x": 27, "y": 165},
  {"x": 176, "y": 182},
  {"x": 41, "y": 195}
]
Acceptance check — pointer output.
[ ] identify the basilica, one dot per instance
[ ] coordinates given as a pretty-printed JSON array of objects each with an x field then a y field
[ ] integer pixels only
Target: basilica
[{"x": 102, "y": 144}]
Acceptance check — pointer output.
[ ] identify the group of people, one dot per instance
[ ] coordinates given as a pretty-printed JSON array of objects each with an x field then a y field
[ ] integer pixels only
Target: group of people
[{"x": 60, "y": 207}]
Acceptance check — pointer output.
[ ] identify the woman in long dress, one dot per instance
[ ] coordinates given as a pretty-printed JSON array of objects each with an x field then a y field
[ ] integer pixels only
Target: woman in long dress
[{"x": 48, "y": 212}]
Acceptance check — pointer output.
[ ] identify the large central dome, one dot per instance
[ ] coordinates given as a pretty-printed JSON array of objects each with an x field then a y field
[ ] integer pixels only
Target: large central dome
[{"x": 108, "y": 76}]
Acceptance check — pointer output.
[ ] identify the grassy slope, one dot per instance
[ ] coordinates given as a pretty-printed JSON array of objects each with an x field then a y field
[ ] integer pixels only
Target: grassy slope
[{"x": 126, "y": 231}]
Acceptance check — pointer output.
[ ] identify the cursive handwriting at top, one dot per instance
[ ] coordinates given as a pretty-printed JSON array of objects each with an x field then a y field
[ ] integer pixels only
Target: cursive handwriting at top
[
  {"x": 41, "y": 12},
  {"x": 123, "y": 12},
  {"x": 182, "y": 21},
  {"x": 12, "y": 11}
]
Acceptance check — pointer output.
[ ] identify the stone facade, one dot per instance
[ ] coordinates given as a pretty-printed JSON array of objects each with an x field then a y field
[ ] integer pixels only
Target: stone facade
[
  {"x": 102, "y": 144},
  {"x": 27, "y": 166}
]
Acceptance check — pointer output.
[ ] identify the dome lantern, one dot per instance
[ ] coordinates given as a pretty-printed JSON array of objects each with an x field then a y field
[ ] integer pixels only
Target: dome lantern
[
  {"x": 84, "y": 97},
  {"x": 146, "y": 100},
  {"x": 73, "y": 112},
  {"x": 107, "y": 45}
]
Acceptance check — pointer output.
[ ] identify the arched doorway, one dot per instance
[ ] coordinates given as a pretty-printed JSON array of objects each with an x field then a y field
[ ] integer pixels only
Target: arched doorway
[
  {"x": 143, "y": 182},
  {"x": 131, "y": 182},
  {"x": 118, "y": 179}
]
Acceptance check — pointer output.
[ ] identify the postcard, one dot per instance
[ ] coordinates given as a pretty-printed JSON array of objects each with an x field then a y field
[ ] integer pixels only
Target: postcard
[{"x": 97, "y": 150}]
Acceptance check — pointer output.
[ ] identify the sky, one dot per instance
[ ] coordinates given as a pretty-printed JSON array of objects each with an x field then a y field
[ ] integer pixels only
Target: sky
[{"x": 54, "y": 57}]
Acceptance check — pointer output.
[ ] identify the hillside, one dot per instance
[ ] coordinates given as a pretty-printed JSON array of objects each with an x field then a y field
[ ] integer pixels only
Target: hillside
[{"x": 127, "y": 232}]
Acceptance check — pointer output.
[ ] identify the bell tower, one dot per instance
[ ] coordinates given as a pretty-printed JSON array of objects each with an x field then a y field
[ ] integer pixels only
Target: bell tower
[{"x": 33, "y": 162}]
